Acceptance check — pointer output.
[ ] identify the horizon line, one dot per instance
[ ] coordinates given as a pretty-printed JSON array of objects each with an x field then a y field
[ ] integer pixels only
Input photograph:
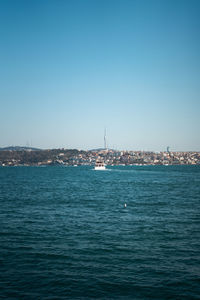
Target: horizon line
[{"x": 93, "y": 149}]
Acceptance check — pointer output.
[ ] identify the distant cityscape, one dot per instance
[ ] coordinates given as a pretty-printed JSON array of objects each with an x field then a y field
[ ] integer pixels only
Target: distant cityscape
[{"x": 25, "y": 156}]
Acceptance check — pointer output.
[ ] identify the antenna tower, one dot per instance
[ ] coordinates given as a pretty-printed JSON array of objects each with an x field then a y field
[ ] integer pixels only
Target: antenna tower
[{"x": 105, "y": 146}]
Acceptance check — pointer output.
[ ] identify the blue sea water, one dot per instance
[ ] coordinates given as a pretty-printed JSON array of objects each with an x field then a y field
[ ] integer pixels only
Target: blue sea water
[{"x": 65, "y": 232}]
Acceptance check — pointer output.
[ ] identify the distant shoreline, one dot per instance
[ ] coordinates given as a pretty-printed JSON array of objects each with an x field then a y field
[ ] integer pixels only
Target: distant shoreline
[{"x": 71, "y": 157}]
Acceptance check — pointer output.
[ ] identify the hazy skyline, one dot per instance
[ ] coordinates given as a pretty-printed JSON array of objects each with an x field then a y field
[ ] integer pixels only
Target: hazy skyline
[{"x": 69, "y": 69}]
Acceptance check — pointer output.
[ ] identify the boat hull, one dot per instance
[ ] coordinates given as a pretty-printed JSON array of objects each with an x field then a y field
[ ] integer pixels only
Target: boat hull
[{"x": 101, "y": 168}]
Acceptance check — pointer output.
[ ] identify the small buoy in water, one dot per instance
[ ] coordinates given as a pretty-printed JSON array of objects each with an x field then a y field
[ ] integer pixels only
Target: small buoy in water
[{"x": 125, "y": 205}]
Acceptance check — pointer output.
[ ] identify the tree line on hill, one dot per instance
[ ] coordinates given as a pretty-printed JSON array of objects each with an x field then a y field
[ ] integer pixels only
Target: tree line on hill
[{"x": 36, "y": 156}]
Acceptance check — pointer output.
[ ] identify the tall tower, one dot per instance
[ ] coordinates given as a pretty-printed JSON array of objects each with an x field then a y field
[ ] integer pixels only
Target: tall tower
[
  {"x": 168, "y": 149},
  {"x": 105, "y": 146}
]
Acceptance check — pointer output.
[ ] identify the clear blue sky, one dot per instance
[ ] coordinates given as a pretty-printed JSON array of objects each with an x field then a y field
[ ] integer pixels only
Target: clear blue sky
[{"x": 68, "y": 69}]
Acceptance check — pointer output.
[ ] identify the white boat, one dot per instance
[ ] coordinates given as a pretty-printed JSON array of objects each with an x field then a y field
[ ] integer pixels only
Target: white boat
[{"x": 99, "y": 165}]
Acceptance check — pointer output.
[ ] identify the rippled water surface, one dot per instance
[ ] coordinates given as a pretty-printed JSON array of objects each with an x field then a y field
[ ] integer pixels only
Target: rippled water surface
[{"x": 65, "y": 232}]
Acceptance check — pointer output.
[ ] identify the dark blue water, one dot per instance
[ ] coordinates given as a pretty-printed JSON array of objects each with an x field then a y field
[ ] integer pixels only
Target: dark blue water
[{"x": 65, "y": 233}]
